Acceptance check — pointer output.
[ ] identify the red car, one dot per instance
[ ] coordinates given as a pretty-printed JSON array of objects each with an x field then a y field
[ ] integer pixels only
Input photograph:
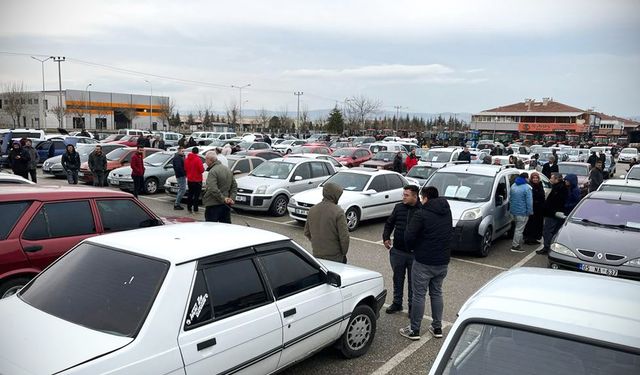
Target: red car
[
  {"x": 352, "y": 156},
  {"x": 311, "y": 149},
  {"x": 40, "y": 223},
  {"x": 115, "y": 159},
  {"x": 128, "y": 140}
]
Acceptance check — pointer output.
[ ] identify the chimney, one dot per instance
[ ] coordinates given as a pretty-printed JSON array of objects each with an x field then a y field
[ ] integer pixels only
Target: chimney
[
  {"x": 545, "y": 101},
  {"x": 528, "y": 102}
]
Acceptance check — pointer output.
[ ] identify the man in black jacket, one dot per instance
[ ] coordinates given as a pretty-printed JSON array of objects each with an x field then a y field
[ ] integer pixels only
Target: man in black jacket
[
  {"x": 550, "y": 167},
  {"x": 465, "y": 155},
  {"x": 71, "y": 164},
  {"x": 553, "y": 211},
  {"x": 19, "y": 160},
  {"x": 98, "y": 166},
  {"x": 429, "y": 234},
  {"x": 400, "y": 256}
]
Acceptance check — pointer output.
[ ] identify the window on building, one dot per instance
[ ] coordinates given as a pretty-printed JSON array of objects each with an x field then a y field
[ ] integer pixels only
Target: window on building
[
  {"x": 35, "y": 101},
  {"x": 1, "y": 103},
  {"x": 29, "y": 101},
  {"x": 46, "y": 104},
  {"x": 22, "y": 101},
  {"x": 101, "y": 123},
  {"x": 78, "y": 122}
]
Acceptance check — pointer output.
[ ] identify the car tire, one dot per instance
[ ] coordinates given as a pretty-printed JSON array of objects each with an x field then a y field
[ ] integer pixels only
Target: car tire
[
  {"x": 279, "y": 205},
  {"x": 485, "y": 243},
  {"x": 288, "y": 151},
  {"x": 151, "y": 185},
  {"x": 12, "y": 286},
  {"x": 353, "y": 218},
  {"x": 360, "y": 331}
]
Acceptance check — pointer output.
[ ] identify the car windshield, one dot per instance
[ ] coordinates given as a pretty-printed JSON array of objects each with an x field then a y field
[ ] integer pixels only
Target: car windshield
[
  {"x": 462, "y": 186},
  {"x": 349, "y": 181},
  {"x": 245, "y": 145},
  {"x": 157, "y": 159},
  {"x": 117, "y": 154},
  {"x": 421, "y": 172},
  {"x": 573, "y": 152},
  {"x": 99, "y": 288},
  {"x": 342, "y": 152},
  {"x": 629, "y": 151},
  {"x": 287, "y": 142},
  {"x": 606, "y": 212},
  {"x": 437, "y": 156},
  {"x": 579, "y": 170},
  {"x": 620, "y": 188},
  {"x": 273, "y": 169},
  {"x": 634, "y": 174},
  {"x": 384, "y": 156}
]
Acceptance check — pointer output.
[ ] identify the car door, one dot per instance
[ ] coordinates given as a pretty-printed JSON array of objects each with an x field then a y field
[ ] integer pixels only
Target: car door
[
  {"x": 118, "y": 214},
  {"x": 55, "y": 228},
  {"x": 311, "y": 310},
  {"x": 43, "y": 150},
  {"x": 374, "y": 205},
  {"x": 232, "y": 323},
  {"x": 301, "y": 179},
  {"x": 502, "y": 217},
  {"x": 395, "y": 186}
]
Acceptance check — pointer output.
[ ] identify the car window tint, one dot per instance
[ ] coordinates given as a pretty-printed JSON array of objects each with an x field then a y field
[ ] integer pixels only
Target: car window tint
[
  {"x": 43, "y": 146},
  {"x": 234, "y": 287},
  {"x": 256, "y": 162},
  {"x": 10, "y": 212},
  {"x": 394, "y": 181},
  {"x": 64, "y": 219},
  {"x": 199, "y": 310},
  {"x": 502, "y": 188},
  {"x": 128, "y": 157},
  {"x": 303, "y": 171},
  {"x": 242, "y": 166},
  {"x": 59, "y": 145},
  {"x": 123, "y": 214},
  {"x": 318, "y": 169},
  {"x": 378, "y": 184},
  {"x": 288, "y": 273}
]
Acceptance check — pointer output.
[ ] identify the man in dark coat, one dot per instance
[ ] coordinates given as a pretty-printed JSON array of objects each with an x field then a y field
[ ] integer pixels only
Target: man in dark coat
[
  {"x": 465, "y": 155},
  {"x": 592, "y": 159},
  {"x": 19, "y": 160},
  {"x": 398, "y": 163},
  {"x": 326, "y": 226},
  {"x": 596, "y": 177},
  {"x": 550, "y": 167},
  {"x": 98, "y": 166},
  {"x": 33, "y": 159},
  {"x": 554, "y": 207},
  {"x": 71, "y": 164},
  {"x": 181, "y": 177},
  {"x": 137, "y": 171}
]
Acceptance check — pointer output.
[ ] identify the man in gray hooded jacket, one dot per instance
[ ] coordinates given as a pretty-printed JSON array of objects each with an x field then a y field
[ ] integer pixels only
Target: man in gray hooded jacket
[{"x": 326, "y": 226}]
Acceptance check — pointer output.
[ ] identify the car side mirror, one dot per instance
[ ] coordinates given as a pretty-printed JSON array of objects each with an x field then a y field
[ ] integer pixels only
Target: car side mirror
[
  {"x": 369, "y": 192},
  {"x": 334, "y": 279},
  {"x": 297, "y": 178},
  {"x": 499, "y": 200},
  {"x": 354, "y": 157}
]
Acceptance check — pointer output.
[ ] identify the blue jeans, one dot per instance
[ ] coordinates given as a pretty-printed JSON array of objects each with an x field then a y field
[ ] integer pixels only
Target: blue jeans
[
  {"x": 551, "y": 227},
  {"x": 427, "y": 278},
  {"x": 72, "y": 176},
  {"x": 401, "y": 262},
  {"x": 182, "y": 188}
]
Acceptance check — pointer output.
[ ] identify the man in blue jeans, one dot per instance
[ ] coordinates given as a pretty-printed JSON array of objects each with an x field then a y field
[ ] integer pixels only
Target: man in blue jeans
[
  {"x": 429, "y": 234},
  {"x": 181, "y": 177}
]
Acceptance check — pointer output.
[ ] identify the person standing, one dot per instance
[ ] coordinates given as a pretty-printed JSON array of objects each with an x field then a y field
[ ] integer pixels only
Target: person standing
[
  {"x": 592, "y": 159},
  {"x": 553, "y": 212},
  {"x": 573, "y": 193},
  {"x": 98, "y": 166},
  {"x": 220, "y": 193},
  {"x": 71, "y": 164},
  {"x": 465, "y": 155},
  {"x": 397, "y": 163},
  {"x": 595, "y": 177},
  {"x": 429, "y": 234},
  {"x": 267, "y": 139},
  {"x": 19, "y": 160},
  {"x": 520, "y": 206},
  {"x": 193, "y": 171},
  {"x": 183, "y": 141},
  {"x": 550, "y": 167},
  {"x": 412, "y": 160},
  {"x": 137, "y": 171},
  {"x": 181, "y": 177},
  {"x": 400, "y": 256},
  {"x": 326, "y": 226},
  {"x": 533, "y": 229},
  {"x": 33, "y": 160}
]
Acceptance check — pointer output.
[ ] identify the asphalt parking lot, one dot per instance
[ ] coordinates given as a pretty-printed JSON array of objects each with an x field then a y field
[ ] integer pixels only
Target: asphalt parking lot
[{"x": 390, "y": 353}]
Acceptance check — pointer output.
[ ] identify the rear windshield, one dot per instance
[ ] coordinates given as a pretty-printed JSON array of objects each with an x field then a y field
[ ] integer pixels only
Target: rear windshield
[{"x": 99, "y": 288}]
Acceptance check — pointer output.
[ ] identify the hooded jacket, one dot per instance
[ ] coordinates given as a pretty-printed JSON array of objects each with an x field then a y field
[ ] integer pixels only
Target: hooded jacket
[
  {"x": 397, "y": 163},
  {"x": 573, "y": 195},
  {"x": 556, "y": 200},
  {"x": 430, "y": 233},
  {"x": 178, "y": 165},
  {"x": 595, "y": 179},
  {"x": 521, "y": 200},
  {"x": 326, "y": 226},
  {"x": 220, "y": 184},
  {"x": 19, "y": 160},
  {"x": 71, "y": 160},
  {"x": 193, "y": 168},
  {"x": 397, "y": 223},
  {"x": 411, "y": 161}
]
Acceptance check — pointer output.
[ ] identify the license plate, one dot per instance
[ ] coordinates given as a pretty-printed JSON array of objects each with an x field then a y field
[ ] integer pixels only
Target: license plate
[
  {"x": 80, "y": 174},
  {"x": 174, "y": 190},
  {"x": 600, "y": 270},
  {"x": 241, "y": 198},
  {"x": 114, "y": 182},
  {"x": 301, "y": 211},
  {"x": 45, "y": 168}
]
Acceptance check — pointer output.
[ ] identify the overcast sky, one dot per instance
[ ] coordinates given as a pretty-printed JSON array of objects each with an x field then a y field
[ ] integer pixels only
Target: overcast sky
[{"x": 427, "y": 56}]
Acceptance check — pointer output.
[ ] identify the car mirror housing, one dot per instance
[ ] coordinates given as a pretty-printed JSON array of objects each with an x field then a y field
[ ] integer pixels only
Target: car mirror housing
[
  {"x": 237, "y": 171},
  {"x": 369, "y": 192},
  {"x": 499, "y": 200},
  {"x": 334, "y": 279},
  {"x": 297, "y": 178}
]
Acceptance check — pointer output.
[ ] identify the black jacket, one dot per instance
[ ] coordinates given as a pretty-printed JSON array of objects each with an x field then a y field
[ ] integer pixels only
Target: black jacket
[
  {"x": 592, "y": 159},
  {"x": 97, "y": 162},
  {"x": 19, "y": 165},
  {"x": 464, "y": 156},
  {"x": 397, "y": 163},
  {"x": 178, "y": 166},
  {"x": 547, "y": 169},
  {"x": 556, "y": 200},
  {"x": 430, "y": 232},
  {"x": 71, "y": 161},
  {"x": 397, "y": 223}
]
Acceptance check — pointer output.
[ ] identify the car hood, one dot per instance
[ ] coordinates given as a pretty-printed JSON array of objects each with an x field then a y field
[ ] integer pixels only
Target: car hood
[
  {"x": 378, "y": 163},
  {"x": 599, "y": 239},
  {"x": 54, "y": 159},
  {"x": 350, "y": 274},
  {"x": 458, "y": 207},
  {"x": 314, "y": 196},
  {"x": 34, "y": 342},
  {"x": 252, "y": 182},
  {"x": 122, "y": 171}
]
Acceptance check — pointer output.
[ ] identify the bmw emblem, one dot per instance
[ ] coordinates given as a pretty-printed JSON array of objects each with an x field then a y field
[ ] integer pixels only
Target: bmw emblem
[{"x": 599, "y": 255}]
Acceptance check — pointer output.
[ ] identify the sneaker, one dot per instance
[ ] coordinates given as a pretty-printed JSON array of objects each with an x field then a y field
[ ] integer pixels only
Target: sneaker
[
  {"x": 178, "y": 208},
  {"x": 542, "y": 251},
  {"x": 436, "y": 332},
  {"x": 393, "y": 308},
  {"x": 410, "y": 334},
  {"x": 517, "y": 249}
]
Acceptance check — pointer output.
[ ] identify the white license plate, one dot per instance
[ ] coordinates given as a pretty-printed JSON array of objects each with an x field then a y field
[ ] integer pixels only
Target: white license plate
[
  {"x": 241, "y": 198},
  {"x": 46, "y": 168},
  {"x": 300, "y": 211},
  {"x": 80, "y": 174},
  {"x": 600, "y": 270},
  {"x": 114, "y": 182}
]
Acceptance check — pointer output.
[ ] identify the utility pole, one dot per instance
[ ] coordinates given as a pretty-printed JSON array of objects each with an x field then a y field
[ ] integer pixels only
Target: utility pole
[
  {"x": 44, "y": 113},
  {"x": 150, "y": 107},
  {"x": 59, "y": 59},
  {"x": 298, "y": 94},
  {"x": 240, "y": 90},
  {"x": 397, "y": 107},
  {"x": 86, "y": 106}
]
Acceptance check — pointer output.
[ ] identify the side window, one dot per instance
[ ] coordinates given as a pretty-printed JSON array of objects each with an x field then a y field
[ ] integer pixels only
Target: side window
[
  {"x": 394, "y": 181},
  {"x": 256, "y": 162},
  {"x": 10, "y": 213},
  {"x": 123, "y": 214},
  {"x": 59, "y": 145},
  {"x": 54, "y": 220},
  {"x": 455, "y": 155},
  {"x": 128, "y": 157},
  {"x": 199, "y": 304},
  {"x": 303, "y": 171},
  {"x": 502, "y": 188},
  {"x": 378, "y": 184},
  {"x": 318, "y": 169},
  {"x": 288, "y": 273},
  {"x": 235, "y": 287},
  {"x": 242, "y": 166},
  {"x": 43, "y": 146},
  {"x": 323, "y": 151}
]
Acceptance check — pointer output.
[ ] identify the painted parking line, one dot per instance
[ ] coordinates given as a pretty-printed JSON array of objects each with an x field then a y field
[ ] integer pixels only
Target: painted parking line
[
  {"x": 479, "y": 264},
  {"x": 524, "y": 260}
]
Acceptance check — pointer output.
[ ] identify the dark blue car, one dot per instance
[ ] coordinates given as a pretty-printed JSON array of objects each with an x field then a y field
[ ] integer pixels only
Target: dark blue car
[{"x": 56, "y": 146}]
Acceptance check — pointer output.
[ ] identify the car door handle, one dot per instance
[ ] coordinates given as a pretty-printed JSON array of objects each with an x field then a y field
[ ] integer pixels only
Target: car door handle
[
  {"x": 206, "y": 344},
  {"x": 386, "y": 196},
  {"x": 289, "y": 313},
  {"x": 33, "y": 249}
]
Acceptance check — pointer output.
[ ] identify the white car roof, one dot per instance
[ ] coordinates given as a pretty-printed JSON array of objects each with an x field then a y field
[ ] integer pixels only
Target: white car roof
[
  {"x": 367, "y": 171},
  {"x": 445, "y": 149},
  {"x": 571, "y": 302},
  {"x": 480, "y": 169},
  {"x": 12, "y": 178},
  {"x": 621, "y": 182},
  {"x": 179, "y": 243}
]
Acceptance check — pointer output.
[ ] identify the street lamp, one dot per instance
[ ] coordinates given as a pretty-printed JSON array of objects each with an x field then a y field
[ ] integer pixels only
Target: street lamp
[
  {"x": 495, "y": 122},
  {"x": 150, "y": 106},
  {"x": 44, "y": 113},
  {"x": 86, "y": 106},
  {"x": 240, "y": 90}
]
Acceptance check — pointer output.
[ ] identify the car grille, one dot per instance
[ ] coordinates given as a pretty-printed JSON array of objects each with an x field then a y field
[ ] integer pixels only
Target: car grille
[
  {"x": 246, "y": 191},
  {"x": 308, "y": 205},
  {"x": 587, "y": 253},
  {"x": 614, "y": 257},
  {"x": 601, "y": 256}
]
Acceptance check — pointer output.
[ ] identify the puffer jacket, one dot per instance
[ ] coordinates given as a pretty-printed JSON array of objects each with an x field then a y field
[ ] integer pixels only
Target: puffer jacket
[
  {"x": 430, "y": 233},
  {"x": 411, "y": 162},
  {"x": 573, "y": 195},
  {"x": 326, "y": 226},
  {"x": 521, "y": 200},
  {"x": 193, "y": 168},
  {"x": 71, "y": 160},
  {"x": 397, "y": 223}
]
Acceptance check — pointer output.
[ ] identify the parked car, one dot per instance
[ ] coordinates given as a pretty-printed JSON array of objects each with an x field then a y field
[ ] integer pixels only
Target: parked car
[
  {"x": 115, "y": 159},
  {"x": 58, "y": 145},
  {"x": 264, "y": 154},
  {"x": 421, "y": 173},
  {"x": 578, "y": 155},
  {"x": 53, "y": 166},
  {"x": 352, "y": 156},
  {"x": 623, "y": 186},
  {"x": 579, "y": 324},
  {"x": 337, "y": 166},
  {"x": 40, "y": 223},
  {"x": 581, "y": 170},
  {"x": 8, "y": 136},
  {"x": 112, "y": 138},
  {"x": 602, "y": 218},
  {"x": 367, "y": 194},
  {"x": 628, "y": 154},
  {"x": 633, "y": 173},
  {"x": 311, "y": 149},
  {"x": 439, "y": 157},
  {"x": 386, "y": 146},
  {"x": 384, "y": 160},
  {"x": 359, "y": 141},
  {"x": 170, "y": 138},
  {"x": 12, "y": 179},
  {"x": 128, "y": 140},
  {"x": 286, "y": 146},
  {"x": 250, "y": 146},
  {"x": 269, "y": 187}
]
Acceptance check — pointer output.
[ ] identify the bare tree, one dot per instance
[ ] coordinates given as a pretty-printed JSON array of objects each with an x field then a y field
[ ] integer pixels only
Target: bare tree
[
  {"x": 304, "y": 118},
  {"x": 285, "y": 121},
  {"x": 263, "y": 118},
  {"x": 59, "y": 112},
  {"x": 362, "y": 107},
  {"x": 78, "y": 111},
  {"x": 166, "y": 111},
  {"x": 15, "y": 101},
  {"x": 130, "y": 114},
  {"x": 232, "y": 112}
]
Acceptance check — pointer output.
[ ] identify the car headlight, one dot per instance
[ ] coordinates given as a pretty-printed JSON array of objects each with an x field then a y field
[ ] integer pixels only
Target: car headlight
[
  {"x": 261, "y": 189},
  {"x": 633, "y": 263},
  {"x": 472, "y": 214},
  {"x": 561, "y": 249},
  {"x": 292, "y": 202}
]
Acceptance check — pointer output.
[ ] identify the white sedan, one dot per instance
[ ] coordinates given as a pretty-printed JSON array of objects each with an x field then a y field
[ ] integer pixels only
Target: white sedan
[
  {"x": 169, "y": 300},
  {"x": 367, "y": 194}
]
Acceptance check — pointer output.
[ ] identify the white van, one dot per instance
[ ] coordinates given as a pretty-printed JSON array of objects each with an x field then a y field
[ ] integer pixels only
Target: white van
[
  {"x": 386, "y": 146},
  {"x": 137, "y": 132}
]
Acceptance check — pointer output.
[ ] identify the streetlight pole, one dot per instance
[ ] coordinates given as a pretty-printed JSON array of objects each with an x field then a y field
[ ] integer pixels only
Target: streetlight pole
[
  {"x": 397, "y": 107},
  {"x": 150, "y": 106},
  {"x": 495, "y": 122},
  {"x": 86, "y": 106},
  {"x": 240, "y": 90},
  {"x": 59, "y": 59},
  {"x": 298, "y": 94},
  {"x": 44, "y": 113}
]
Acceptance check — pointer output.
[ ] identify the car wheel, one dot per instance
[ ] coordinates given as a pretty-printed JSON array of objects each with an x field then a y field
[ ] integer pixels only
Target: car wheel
[
  {"x": 361, "y": 330},
  {"x": 12, "y": 286},
  {"x": 151, "y": 185},
  {"x": 353, "y": 219},
  {"x": 485, "y": 243},
  {"x": 279, "y": 205}
]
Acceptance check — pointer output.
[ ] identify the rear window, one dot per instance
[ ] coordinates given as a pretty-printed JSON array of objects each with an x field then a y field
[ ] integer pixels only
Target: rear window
[
  {"x": 10, "y": 213},
  {"x": 99, "y": 288}
]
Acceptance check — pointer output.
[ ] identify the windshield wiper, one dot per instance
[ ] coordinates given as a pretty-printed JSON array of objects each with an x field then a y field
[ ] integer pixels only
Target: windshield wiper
[{"x": 620, "y": 226}]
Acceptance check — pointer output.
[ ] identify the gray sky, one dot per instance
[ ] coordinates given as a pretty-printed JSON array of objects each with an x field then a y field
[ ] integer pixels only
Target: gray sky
[{"x": 427, "y": 56}]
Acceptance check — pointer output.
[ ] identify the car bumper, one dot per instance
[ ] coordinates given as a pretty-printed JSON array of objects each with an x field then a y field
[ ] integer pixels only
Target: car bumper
[
  {"x": 53, "y": 171},
  {"x": 298, "y": 212},
  {"x": 122, "y": 184},
  {"x": 253, "y": 202},
  {"x": 85, "y": 176},
  {"x": 465, "y": 236},
  {"x": 561, "y": 261},
  {"x": 380, "y": 299}
]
